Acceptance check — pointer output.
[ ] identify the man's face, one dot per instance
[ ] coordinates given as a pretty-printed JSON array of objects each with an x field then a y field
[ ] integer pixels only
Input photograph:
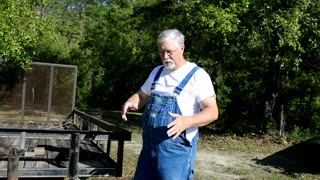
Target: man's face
[{"x": 170, "y": 54}]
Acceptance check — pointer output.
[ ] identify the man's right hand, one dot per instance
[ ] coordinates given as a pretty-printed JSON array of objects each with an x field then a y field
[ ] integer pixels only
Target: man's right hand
[{"x": 127, "y": 107}]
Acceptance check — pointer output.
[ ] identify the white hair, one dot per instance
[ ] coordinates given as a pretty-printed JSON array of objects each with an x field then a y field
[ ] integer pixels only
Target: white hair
[{"x": 171, "y": 34}]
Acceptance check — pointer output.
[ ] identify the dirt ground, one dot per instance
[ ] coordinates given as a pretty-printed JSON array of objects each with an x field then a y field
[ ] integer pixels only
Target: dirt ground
[
  {"x": 222, "y": 165},
  {"x": 288, "y": 163},
  {"x": 226, "y": 165},
  {"x": 259, "y": 159}
]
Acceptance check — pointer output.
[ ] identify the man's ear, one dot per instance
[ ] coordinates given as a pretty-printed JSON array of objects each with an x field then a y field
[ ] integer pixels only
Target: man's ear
[{"x": 182, "y": 47}]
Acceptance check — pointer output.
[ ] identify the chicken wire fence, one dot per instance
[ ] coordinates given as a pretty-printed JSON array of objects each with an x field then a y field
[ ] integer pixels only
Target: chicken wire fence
[{"x": 46, "y": 92}]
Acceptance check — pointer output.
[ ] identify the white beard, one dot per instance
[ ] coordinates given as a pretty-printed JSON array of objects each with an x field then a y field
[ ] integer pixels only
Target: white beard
[{"x": 169, "y": 65}]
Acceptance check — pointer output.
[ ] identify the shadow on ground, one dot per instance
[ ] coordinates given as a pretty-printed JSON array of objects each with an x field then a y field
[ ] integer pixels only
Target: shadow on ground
[{"x": 299, "y": 158}]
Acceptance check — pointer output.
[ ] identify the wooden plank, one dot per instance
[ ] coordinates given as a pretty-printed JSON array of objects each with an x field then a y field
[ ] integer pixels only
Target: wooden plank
[
  {"x": 37, "y": 161},
  {"x": 5, "y": 145},
  {"x": 29, "y": 148},
  {"x": 58, "y": 153},
  {"x": 92, "y": 157},
  {"x": 52, "y": 153},
  {"x": 116, "y": 133}
]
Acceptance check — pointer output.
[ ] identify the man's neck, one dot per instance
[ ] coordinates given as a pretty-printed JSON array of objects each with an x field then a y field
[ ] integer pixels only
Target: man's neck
[{"x": 183, "y": 62}]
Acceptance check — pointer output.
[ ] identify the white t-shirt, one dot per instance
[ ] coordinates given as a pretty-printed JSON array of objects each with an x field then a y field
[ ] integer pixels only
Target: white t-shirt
[{"x": 198, "y": 88}]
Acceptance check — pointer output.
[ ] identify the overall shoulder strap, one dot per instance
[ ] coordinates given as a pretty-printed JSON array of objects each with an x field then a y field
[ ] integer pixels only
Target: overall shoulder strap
[
  {"x": 153, "y": 85},
  {"x": 183, "y": 83}
]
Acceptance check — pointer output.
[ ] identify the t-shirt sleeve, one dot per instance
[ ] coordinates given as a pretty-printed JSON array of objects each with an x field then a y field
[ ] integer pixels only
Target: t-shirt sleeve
[{"x": 204, "y": 85}]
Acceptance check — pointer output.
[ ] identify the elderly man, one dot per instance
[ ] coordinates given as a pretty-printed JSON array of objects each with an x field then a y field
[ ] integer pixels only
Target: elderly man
[{"x": 179, "y": 98}]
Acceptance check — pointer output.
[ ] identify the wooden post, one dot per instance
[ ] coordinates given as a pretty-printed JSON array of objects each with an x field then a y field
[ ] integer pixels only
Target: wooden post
[
  {"x": 108, "y": 147},
  {"x": 73, "y": 169},
  {"x": 22, "y": 141},
  {"x": 13, "y": 164},
  {"x": 120, "y": 157}
]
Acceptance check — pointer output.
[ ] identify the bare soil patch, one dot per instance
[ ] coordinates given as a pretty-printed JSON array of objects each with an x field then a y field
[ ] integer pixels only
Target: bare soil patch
[
  {"x": 262, "y": 162},
  {"x": 222, "y": 165},
  {"x": 225, "y": 165}
]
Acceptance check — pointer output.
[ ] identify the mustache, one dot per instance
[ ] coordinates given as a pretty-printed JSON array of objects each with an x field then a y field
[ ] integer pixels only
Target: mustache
[{"x": 168, "y": 61}]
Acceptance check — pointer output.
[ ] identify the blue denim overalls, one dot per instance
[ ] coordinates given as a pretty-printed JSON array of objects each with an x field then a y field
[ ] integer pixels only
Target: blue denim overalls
[{"x": 164, "y": 158}]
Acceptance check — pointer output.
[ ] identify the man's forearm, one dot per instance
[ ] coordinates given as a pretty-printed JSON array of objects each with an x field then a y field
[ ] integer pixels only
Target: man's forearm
[
  {"x": 205, "y": 117},
  {"x": 139, "y": 99}
]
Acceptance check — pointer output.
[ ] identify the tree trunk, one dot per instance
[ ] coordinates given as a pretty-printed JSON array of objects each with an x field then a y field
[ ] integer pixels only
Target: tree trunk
[
  {"x": 282, "y": 123},
  {"x": 268, "y": 113}
]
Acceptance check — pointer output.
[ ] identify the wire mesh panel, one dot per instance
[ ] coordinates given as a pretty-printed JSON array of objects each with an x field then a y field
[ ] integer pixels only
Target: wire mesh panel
[
  {"x": 36, "y": 90},
  {"x": 11, "y": 98},
  {"x": 63, "y": 93},
  {"x": 46, "y": 93}
]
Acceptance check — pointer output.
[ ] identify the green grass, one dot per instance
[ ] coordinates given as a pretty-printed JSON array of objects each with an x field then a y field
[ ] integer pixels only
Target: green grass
[{"x": 210, "y": 141}]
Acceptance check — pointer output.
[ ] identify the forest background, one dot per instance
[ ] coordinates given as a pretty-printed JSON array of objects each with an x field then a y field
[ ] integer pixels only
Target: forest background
[{"x": 263, "y": 56}]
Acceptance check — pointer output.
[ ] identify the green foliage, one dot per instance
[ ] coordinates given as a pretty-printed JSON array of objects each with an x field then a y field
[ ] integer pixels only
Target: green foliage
[
  {"x": 299, "y": 134},
  {"x": 257, "y": 53},
  {"x": 18, "y": 25}
]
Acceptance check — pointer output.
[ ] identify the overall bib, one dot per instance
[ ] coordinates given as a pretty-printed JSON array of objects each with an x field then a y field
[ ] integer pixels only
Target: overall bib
[{"x": 162, "y": 157}]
